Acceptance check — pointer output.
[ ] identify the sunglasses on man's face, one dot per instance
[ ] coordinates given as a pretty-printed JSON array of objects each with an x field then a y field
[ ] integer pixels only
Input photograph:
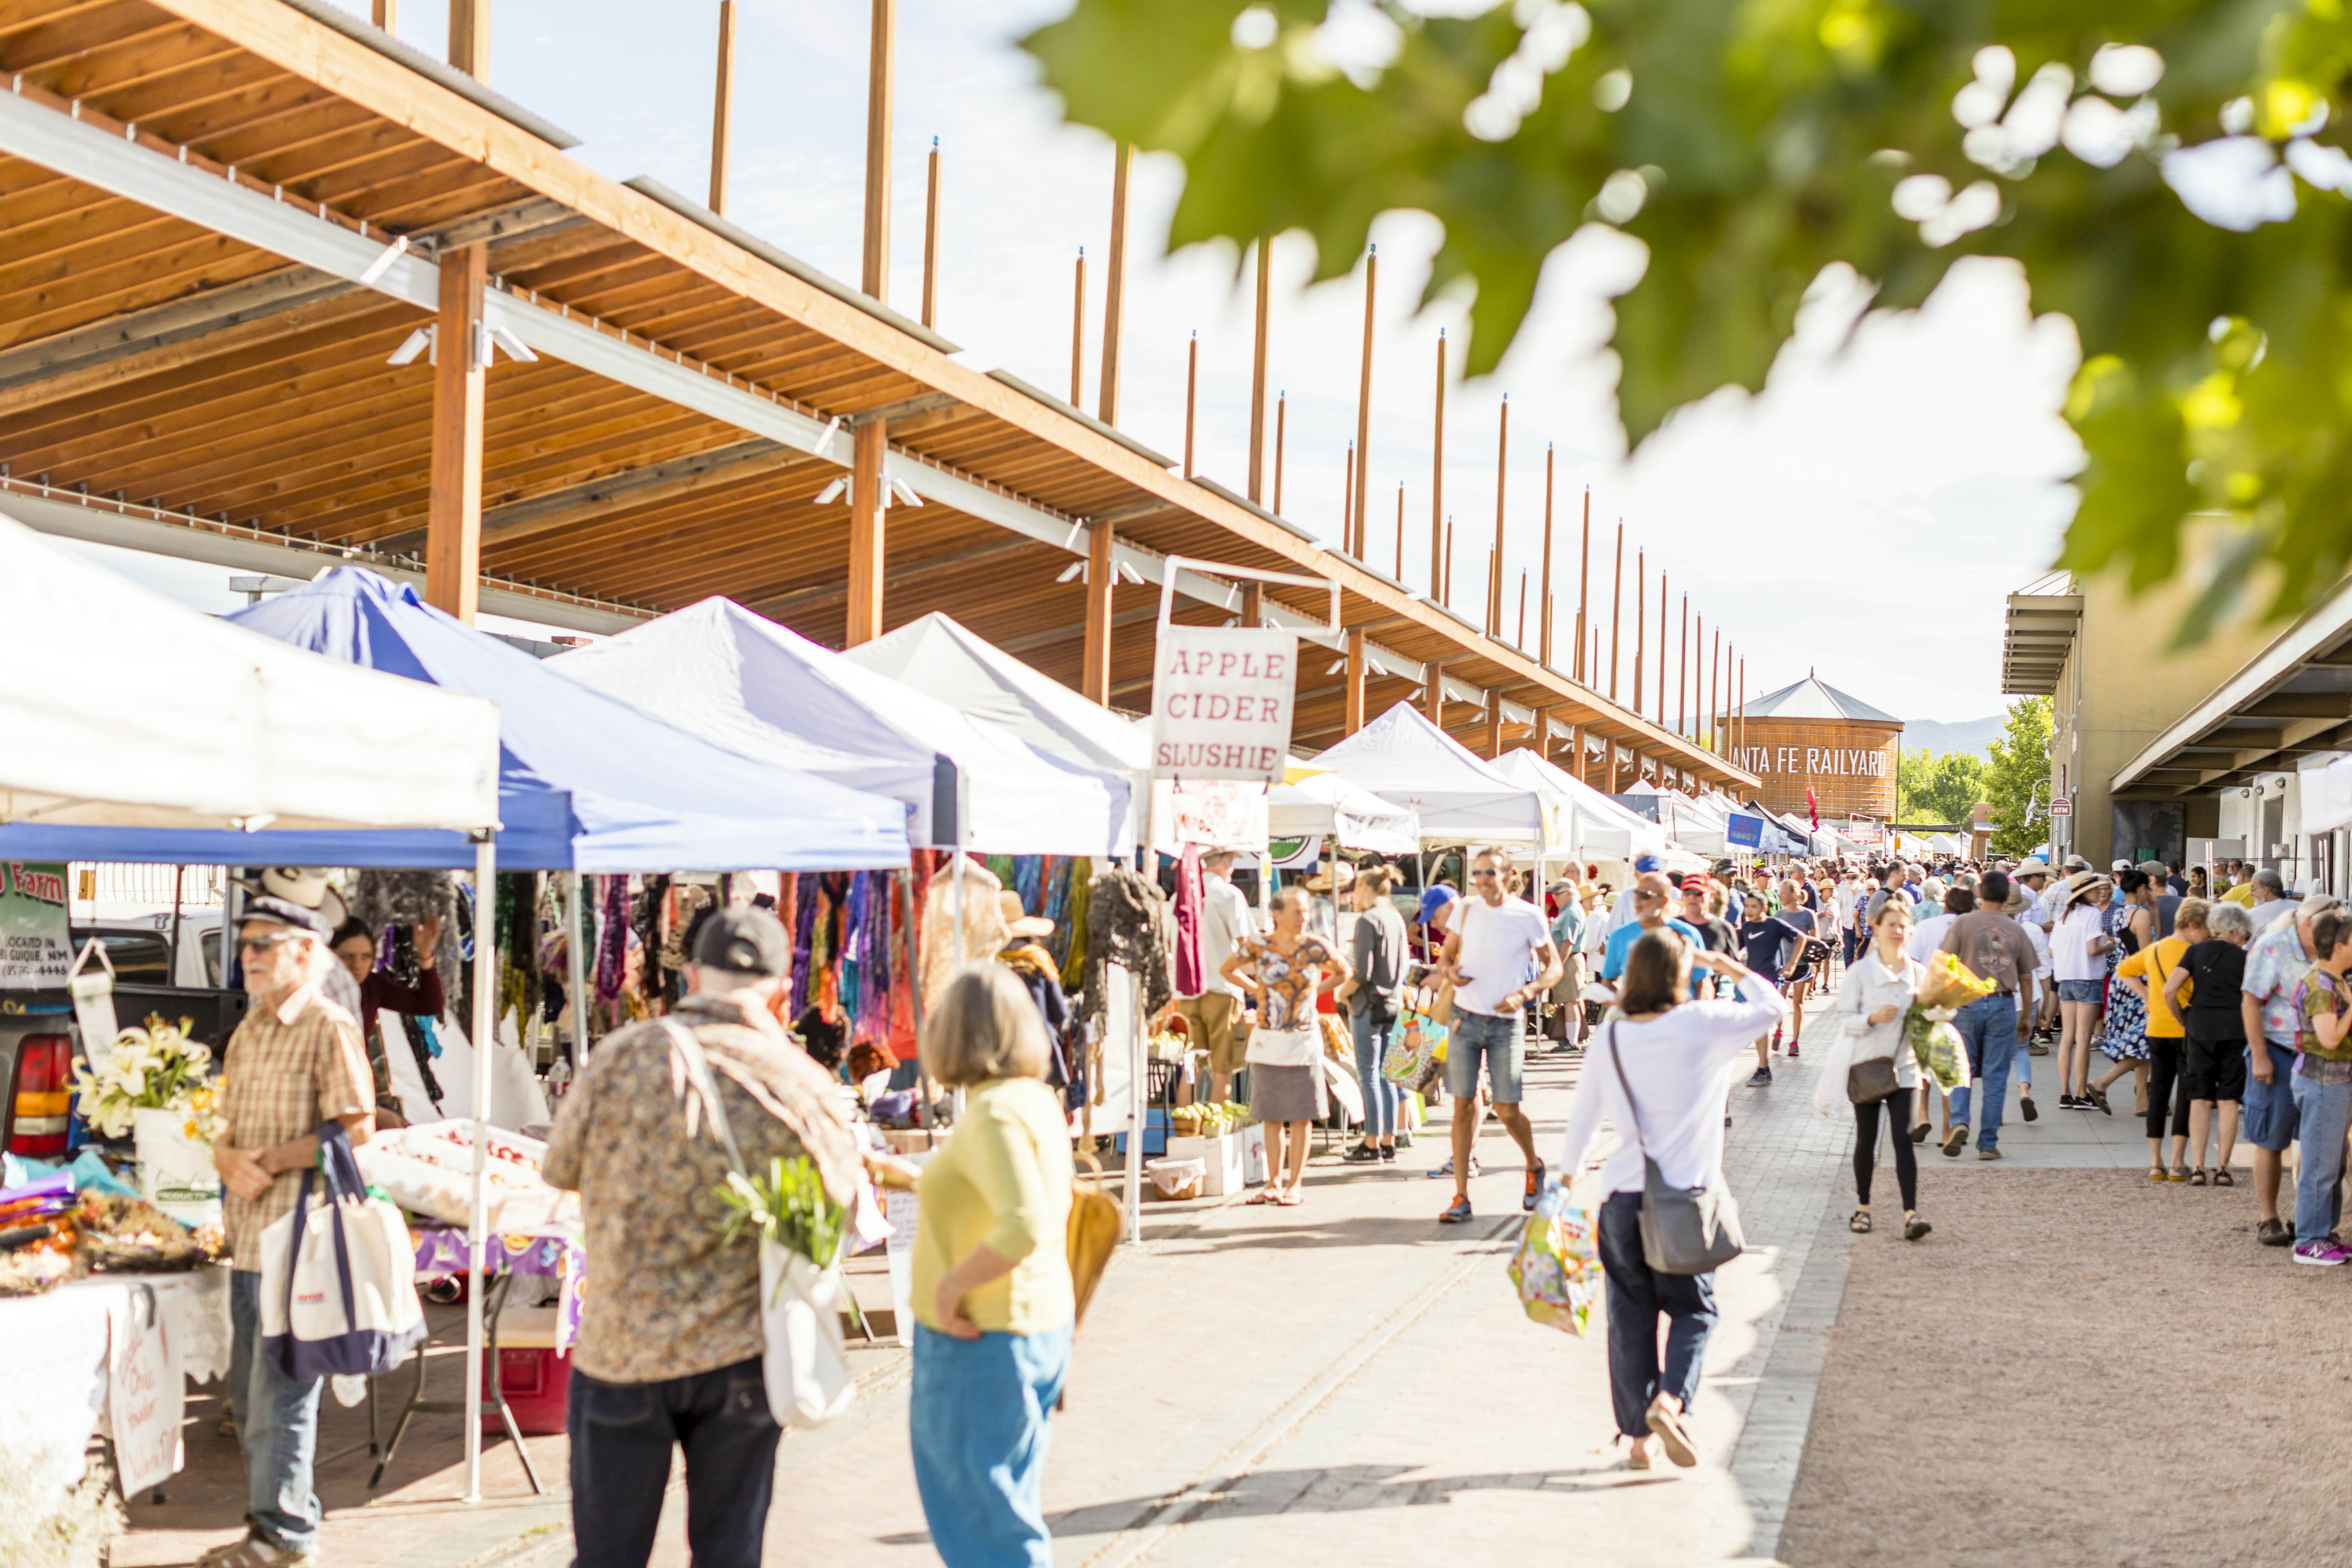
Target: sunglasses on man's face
[
  {"x": 264, "y": 944},
  {"x": 1485, "y": 876}
]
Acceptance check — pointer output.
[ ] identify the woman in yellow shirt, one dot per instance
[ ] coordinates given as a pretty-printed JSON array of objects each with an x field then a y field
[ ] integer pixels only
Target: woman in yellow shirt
[
  {"x": 993, "y": 1305},
  {"x": 2145, "y": 973}
]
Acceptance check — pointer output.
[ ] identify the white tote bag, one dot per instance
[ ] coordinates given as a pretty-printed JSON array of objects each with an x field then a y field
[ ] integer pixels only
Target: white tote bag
[
  {"x": 806, "y": 1361},
  {"x": 339, "y": 1276}
]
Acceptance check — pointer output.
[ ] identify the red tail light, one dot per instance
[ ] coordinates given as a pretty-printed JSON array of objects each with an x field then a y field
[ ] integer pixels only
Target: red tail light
[{"x": 44, "y": 1094}]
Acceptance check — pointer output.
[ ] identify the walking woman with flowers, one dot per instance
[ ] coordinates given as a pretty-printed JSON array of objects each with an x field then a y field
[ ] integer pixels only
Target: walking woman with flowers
[{"x": 1877, "y": 991}]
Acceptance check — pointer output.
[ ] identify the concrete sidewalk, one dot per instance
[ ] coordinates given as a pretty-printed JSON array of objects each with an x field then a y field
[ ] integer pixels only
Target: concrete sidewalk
[{"x": 1254, "y": 1380}]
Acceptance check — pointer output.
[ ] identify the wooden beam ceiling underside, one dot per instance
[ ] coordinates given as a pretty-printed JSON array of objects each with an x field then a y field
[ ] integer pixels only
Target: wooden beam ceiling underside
[{"x": 145, "y": 354}]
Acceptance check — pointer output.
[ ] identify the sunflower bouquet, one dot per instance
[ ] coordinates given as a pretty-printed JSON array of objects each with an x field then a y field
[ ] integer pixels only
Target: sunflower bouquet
[{"x": 1947, "y": 986}]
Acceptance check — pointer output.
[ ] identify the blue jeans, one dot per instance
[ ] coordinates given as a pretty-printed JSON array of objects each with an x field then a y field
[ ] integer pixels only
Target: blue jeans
[
  {"x": 1636, "y": 1298},
  {"x": 1987, "y": 1025},
  {"x": 622, "y": 1434},
  {"x": 979, "y": 1416},
  {"x": 2325, "y": 1113},
  {"x": 1379, "y": 1095},
  {"x": 277, "y": 1426}
]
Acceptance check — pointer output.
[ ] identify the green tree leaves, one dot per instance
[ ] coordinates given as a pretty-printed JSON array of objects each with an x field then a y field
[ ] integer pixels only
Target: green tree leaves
[
  {"x": 2017, "y": 780},
  {"x": 2160, "y": 168},
  {"x": 1932, "y": 787}
]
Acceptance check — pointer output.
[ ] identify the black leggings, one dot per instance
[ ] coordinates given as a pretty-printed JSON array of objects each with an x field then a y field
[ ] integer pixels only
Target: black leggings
[
  {"x": 1865, "y": 1147},
  {"x": 2165, "y": 1054}
]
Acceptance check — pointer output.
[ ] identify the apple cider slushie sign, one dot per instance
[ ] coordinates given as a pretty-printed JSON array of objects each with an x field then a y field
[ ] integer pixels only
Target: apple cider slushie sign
[{"x": 1220, "y": 703}]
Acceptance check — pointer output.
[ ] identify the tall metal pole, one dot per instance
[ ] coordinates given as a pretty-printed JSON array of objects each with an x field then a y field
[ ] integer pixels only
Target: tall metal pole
[
  {"x": 1616, "y": 607},
  {"x": 1114, "y": 285},
  {"x": 1257, "y": 376},
  {"x": 484, "y": 1038},
  {"x": 875, "y": 273},
  {"x": 1192, "y": 396},
  {"x": 722, "y": 107},
  {"x": 1364, "y": 402},
  {"x": 1078, "y": 331},
  {"x": 1281, "y": 417},
  {"x": 1400, "y": 535},
  {"x": 1660, "y": 684},
  {"x": 1440, "y": 548},
  {"x": 1584, "y": 672},
  {"x": 1641, "y": 611},
  {"x": 1348, "y": 499}
]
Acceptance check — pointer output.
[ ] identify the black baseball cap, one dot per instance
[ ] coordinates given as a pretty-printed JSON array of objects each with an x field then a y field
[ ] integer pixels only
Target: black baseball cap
[{"x": 746, "y": 941}]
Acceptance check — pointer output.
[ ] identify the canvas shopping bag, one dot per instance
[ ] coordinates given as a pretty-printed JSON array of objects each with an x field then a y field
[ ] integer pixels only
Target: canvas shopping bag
[
  {"x": 1556, "y": 1268},
  {"x": 339, "y": 1281}
]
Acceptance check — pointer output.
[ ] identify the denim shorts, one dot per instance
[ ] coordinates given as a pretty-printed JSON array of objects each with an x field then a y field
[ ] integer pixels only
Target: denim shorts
[
  {"x": 1478, "y": 1036},
  {"x": 2270, "y": 1118},
  {"x": 2093, "y": 991}
]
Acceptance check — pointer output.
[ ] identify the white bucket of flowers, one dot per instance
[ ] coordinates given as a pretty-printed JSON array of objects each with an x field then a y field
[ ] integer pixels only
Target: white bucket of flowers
[{"x": 152, "y": 1086}]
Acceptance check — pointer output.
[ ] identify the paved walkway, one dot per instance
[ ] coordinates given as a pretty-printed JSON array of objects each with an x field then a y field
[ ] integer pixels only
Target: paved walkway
[{"x": 1256, "y": 1380}]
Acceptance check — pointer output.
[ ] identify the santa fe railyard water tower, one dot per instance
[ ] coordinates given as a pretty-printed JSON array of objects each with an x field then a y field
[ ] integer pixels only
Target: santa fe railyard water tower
[{"x": 1811, "y": 736}]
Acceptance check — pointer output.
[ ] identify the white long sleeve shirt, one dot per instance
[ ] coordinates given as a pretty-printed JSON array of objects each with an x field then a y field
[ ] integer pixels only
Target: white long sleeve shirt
[{"x": 1679, "y": 1066}]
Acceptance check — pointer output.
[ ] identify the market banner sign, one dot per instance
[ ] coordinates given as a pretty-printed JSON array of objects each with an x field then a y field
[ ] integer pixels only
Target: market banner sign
[
  {"x": 35, "y": 951},
  {"x": 1213, "y": 814},
  {"x": 1221, "y": 702},
  {"x": 1747, "y": 832}
]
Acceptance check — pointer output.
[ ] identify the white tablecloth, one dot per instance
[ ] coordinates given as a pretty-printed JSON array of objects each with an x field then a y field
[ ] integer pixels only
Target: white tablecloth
[{"x": 54, "y": 1357}]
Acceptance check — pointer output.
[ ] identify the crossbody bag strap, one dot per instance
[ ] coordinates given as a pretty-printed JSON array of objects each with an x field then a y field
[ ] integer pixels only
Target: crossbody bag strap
[
  {"x": 1632, "y": 1110},
  {"x": 705, "y": 1084}
]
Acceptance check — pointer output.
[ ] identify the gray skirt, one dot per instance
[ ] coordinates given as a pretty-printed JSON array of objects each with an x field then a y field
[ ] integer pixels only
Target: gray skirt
[{"x": 1287, "y": 1094}]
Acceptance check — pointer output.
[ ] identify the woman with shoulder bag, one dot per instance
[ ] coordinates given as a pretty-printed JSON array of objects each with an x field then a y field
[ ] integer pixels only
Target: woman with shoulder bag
[
  {"x": 1661, "y": 1075},
  {"x": 994, "y": 1304},
  {"x": 1881, "y": 1074},
  {"x": 1370, "y": 993}
]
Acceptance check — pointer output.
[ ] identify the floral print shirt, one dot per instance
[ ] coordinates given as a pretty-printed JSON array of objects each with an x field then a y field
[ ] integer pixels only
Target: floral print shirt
[{"x": 1289, "y": 979}]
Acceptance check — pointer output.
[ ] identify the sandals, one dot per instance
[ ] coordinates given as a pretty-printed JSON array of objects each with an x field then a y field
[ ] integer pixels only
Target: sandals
[
  {"x": 2180, "y": 1172},
  {"x": 1669, "y": 1428},
  {"x": 1919, "y": 1133},
  {"x": 1262, "y": 1195},
  {"x": 2157, "y": 1174},
  {"x": 1915, "y": 1227},
  {"x": 2196, "y": 1177},
  {"x": 1290, "y": 1200},
  {"x": 2223, "y": 1179},
  {"x": 2098, "y": 1097},
  {"x": 1860, "y": 1223}
]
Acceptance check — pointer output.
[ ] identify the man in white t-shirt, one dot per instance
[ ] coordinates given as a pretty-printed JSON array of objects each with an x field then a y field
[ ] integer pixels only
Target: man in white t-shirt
[
  {"x": 1212, "y": 1019},
  {"x": 1499, "y": 957}
]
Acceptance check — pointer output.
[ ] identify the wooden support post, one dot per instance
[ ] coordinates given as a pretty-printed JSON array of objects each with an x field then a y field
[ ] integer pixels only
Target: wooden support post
[
  {"x": 1494, "y": 725},
  {"x": 453, "y": 519},
  {"x": 1502, "y": 487},
  {"x": 1102, "y": 583},
  {"x": 1432, "y": 692},
  {"x": 1715, "y": 695},
  {"x": 875, "y": 274},
  {"x": 1440, "y": 545},
  {"x": 470, "y": 37},
  {"x": 1400, "y": 535},
  {"x": 1740, "y": 719},
  {"x": 1446, "y": 597},
  {"x": 1616, "y": 607},
  {"x": 1363, "y": 453},
  {"x": 1543, "y": 633},
  {"x": 1348, "y": 501},
  {"x": 1356, "y": 672},
  {"x": 1584, "y": 593},
  {"x": 1253, "y": 606},
  {"x": 1078, "y": 331},
  {"x": 1114, "y": 285},
  {"x": 931, "y": 239},
  {"x": 722, "y": 107},
  {"x": 1281, "y": 418},
  {"x": 1192, "y": 396},
  {"x": 1682, "y": 676},
  {"x": 387, "y": 14},
  {"x": 1661, "y": 683},
  {"x": 868, "y": 555},
  {"x": 1641, "y": 620},
  {"x": 1576, "y": 740},
  {"x": 1520, "y": 641},
  {"x": 1257, "y": 376}
]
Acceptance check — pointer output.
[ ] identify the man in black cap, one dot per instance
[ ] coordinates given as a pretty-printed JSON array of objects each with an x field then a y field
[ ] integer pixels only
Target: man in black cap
[
  {"x": 293, "y": 1064},
  {"x": 670, "y": 1341}
]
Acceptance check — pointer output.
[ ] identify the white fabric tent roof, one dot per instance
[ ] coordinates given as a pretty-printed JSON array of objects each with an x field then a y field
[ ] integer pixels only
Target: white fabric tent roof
[
  {"x": 1589, "y": 823},
  {"x": 121, "y": 708},
  {"x": 1350, "y": 815},
  {"x": 943, "y": 659},
  {"x": 768, "y": 693},
  {"x": 1404, "y": 758}
]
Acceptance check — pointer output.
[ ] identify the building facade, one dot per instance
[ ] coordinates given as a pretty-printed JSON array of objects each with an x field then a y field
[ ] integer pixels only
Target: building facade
[{"x": 1810, "y": 736}]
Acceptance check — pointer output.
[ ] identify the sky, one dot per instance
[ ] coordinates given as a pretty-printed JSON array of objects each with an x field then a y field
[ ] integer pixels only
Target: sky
[{"x": 1862, "y": 518}]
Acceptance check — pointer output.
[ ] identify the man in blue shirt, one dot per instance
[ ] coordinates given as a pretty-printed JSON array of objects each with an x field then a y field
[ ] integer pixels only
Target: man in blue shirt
[
  {"x": 1650, "y": 895},
  {"x": 1774, "y": 947}
]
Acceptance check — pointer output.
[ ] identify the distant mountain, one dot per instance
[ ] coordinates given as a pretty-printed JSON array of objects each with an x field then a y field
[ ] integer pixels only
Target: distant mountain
[{"x": 1926, "y": 735}]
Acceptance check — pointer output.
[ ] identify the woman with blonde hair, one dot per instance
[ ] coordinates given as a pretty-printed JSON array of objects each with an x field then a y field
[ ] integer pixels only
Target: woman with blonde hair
[{"x": 994, "y": 1308}]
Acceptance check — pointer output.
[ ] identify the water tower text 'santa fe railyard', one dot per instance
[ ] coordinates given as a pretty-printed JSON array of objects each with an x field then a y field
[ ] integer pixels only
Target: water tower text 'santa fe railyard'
[{"x": 1812, "y": 736}]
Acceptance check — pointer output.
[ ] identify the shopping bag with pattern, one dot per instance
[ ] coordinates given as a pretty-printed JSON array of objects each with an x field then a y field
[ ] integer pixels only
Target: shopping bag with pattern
[
  {"x": 1414, "y": 1043},
  {"x": 1556, "y": 1268}
]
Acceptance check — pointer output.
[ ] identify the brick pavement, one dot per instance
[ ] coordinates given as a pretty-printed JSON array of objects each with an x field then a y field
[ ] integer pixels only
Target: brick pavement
[{"x": 1256, "y": 1380}]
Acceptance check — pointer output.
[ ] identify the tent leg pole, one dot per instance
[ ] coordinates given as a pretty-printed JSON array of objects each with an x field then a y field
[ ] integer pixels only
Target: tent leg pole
[
  {"x": 1135, "y": 1117},
  {"x": 575, "y": 968},
  {"x": 477, "y": 1211}
]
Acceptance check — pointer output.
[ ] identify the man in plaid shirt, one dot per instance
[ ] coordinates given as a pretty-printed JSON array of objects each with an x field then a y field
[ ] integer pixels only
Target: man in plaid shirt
[{"x": 294, "y": 1063}]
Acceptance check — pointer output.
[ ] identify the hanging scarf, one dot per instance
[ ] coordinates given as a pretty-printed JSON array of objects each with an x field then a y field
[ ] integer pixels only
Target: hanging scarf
[
  {"x": 1128, "y": 924},
  {"x": 1190, "y": 899},
  {"x": 612, "y": 937},
  {"x": 1081, "y": 899}
]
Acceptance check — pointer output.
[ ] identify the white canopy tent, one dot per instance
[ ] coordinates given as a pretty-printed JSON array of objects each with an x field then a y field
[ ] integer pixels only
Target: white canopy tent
[
  {"x": 944, "y": 660},
  {"x": 1587, "y": 823},
  {"x": 764, "y": 691},
  {"x": 123, "y": 708},
  {"x": 1353, "y": 817},
  {"x": 1403, "y": 757}
]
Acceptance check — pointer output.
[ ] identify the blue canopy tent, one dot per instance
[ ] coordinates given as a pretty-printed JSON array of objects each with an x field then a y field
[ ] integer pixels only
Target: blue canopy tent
[{"x": 586, "y": 782}]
